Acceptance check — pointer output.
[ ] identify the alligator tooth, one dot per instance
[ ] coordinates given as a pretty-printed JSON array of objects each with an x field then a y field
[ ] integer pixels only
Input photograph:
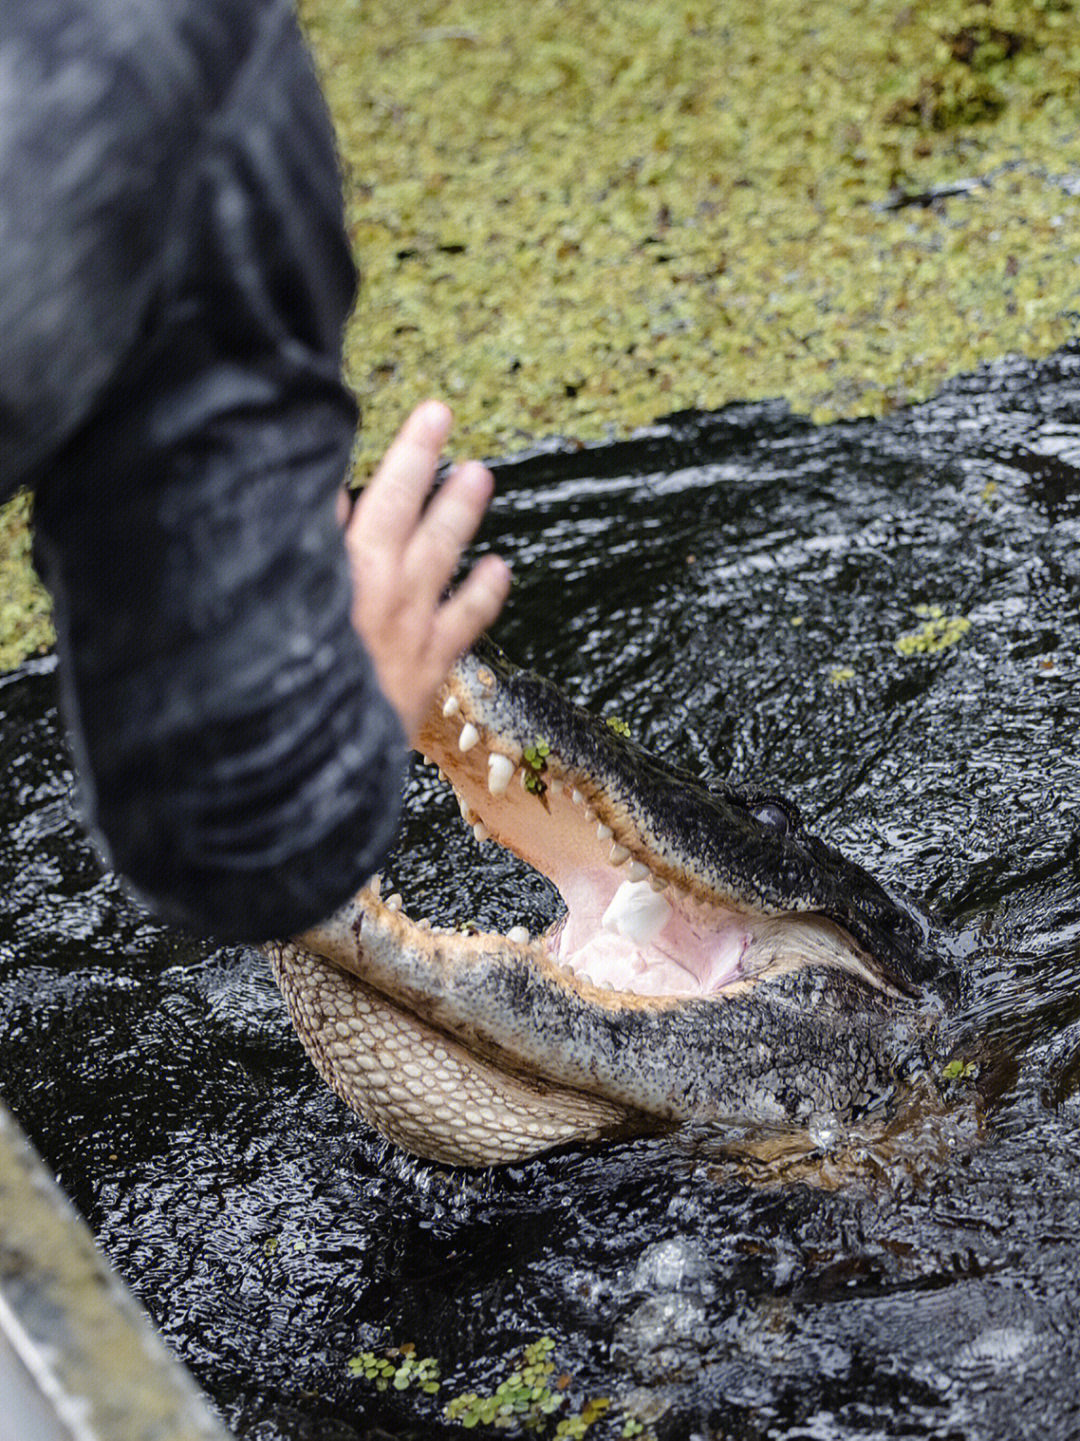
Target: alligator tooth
[
  {"x": 637, "y": 871},
  {"x": 637, "y": 912},
  {"x": 468, "y": 737},
  {"x": 425, "y": 759},
  {"x": 424, "y": 924},
  {"x": 500, "y": 769},
  {"x": 555, "y": 786},
  {"x": 603, "y": 832},
  {"x": 442, "y": 774},
  {"x": 618, "y": 854},
  {"x": 658, "y": 883},
  {"x": 451, "y": 706},
  {"x": 393, "y": 903},
  {"x": 466, "y": 814},
  {"x": 518, "y": 933},
  {"x": 375, "y": 885},
  {"x": 576, "y": 796},
  {"x": 481, "y": 833}
]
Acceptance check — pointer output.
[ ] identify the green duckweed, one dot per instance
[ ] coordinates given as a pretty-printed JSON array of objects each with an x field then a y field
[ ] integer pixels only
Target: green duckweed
[{"x": 938, "y": 632}]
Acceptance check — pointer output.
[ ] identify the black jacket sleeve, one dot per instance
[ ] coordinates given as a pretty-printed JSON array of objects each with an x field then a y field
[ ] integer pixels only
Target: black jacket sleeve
[{"x": 237, "y": 760}]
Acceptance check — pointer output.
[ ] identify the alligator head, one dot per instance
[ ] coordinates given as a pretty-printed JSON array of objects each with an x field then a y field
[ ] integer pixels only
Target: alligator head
[{"x": 716, "y": 963}]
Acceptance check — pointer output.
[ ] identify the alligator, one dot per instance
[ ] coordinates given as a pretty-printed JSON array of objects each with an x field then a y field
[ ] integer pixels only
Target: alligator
[{"x": 716, "y": 965}]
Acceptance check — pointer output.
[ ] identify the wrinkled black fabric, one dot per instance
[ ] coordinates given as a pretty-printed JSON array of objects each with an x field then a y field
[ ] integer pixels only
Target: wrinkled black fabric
[{"x": 174, "y": 280}]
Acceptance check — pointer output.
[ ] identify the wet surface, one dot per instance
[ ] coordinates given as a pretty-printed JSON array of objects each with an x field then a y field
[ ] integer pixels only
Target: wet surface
[{"x": 733, "y": 587}]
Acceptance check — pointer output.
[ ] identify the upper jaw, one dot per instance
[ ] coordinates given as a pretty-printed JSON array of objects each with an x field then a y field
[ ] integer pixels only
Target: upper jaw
[{"x": 715, "y": 893}]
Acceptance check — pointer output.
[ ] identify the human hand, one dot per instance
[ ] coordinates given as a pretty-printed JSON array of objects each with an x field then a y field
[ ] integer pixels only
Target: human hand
[{"x": 402, "y": 557}]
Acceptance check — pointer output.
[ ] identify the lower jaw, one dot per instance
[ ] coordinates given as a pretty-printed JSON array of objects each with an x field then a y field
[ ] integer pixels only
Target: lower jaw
[{"x": 442, "y": 1102}]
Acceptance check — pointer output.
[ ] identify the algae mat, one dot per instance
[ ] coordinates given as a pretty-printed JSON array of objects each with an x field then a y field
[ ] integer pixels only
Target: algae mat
[{"x": 574, "y": 218}]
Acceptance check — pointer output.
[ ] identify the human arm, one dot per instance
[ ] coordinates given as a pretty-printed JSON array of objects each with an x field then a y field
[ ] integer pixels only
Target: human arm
[{"x": 238, "y": 759}]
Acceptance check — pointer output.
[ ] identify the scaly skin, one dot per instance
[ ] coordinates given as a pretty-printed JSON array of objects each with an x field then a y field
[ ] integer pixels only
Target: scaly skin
[{"x": 808, "y": 991}]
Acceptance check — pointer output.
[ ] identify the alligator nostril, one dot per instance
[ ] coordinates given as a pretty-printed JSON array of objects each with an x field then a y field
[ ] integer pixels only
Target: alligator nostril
[{"x": 773, "y": 816}]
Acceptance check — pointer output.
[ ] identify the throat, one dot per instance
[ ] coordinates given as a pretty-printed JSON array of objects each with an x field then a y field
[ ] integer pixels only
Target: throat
[{"x": 625, "y": 936}]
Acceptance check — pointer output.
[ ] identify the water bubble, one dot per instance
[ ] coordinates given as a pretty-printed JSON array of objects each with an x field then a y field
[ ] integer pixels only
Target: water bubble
[
  {"x": 825, "y": 1130},
  {"x": 677, "y": 1264}
]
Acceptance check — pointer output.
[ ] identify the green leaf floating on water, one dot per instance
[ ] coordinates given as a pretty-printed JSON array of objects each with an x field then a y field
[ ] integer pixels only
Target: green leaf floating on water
[
  {"x": 400, "y": 1369},
  {"x": 527, "y": 1399}
]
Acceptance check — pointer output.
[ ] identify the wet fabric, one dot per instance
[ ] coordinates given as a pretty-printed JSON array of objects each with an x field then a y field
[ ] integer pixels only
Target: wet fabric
[{"x": 174, "y": 280}]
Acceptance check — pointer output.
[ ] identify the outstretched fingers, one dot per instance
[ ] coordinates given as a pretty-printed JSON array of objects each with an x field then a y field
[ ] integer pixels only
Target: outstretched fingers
[
  {"x": 447, "y": 527},
  {"x": 395, "y": 496},
  {"x": 470, "y": 610}
]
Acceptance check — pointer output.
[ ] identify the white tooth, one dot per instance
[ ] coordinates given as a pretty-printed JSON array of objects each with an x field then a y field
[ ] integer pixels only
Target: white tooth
[
  {"x": 589, "y": 813},
  {"x": 425, "y": 759},
  {"x": 603, "y": 832},
  {"x": 393, "y": 903},
  {"x": 375, "y": 885},
  {"x": 555, "y": 787},
  {"x": 517, "y": 933},
  {"x": 500, "y": 770},
  {"x": 576, "y": 796},
  {"x": 424, "y": 924},
  {"x": 451, "y": 706},
  {"x": 658, "y": 883},
  {"x": 637, "y": 872},
  {"x": 637, "y": 913},
  {"x": 442, "y": 775},
  {"x": 480, "y": 832},
  {"x": 468, "y": 737},
  {"x": 618, "y": 854},
  {"x": 466, "y": 814}
]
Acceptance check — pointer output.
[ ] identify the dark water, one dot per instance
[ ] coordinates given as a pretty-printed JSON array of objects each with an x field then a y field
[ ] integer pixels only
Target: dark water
[{"x": 272, "y": 1237}]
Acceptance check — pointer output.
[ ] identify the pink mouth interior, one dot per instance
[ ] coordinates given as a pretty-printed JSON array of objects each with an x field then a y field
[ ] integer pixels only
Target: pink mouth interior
[
  {"x": 626, "y": 928},
  {"x": 684, "y": 957}
]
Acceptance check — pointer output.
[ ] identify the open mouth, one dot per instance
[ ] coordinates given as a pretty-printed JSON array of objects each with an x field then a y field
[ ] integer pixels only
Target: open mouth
[
  {"x": 638, "y": 919},
  {"x": 716, "y": 962}
]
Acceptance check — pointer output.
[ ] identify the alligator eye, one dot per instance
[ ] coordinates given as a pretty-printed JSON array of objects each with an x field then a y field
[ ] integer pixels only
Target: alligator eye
[{"x": 773, "y": 816}]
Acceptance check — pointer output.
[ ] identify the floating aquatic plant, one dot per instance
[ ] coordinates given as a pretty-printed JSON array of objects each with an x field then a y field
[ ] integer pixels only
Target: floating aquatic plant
[
  {"x": 938, "y": 633},
  {"x": 573, "y": 219},
  {"x": 399, "y": 1368},
  {"x": 534, "y": 759},
  {"x": 527, "y": 1399}
]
